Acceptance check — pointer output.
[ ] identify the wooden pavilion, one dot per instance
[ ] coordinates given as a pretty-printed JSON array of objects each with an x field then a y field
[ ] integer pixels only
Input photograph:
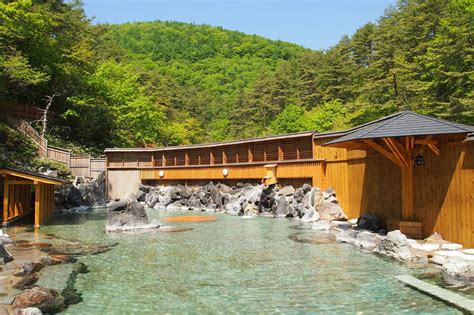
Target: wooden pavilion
[
  {"x": 402, "y": 138},
  {"x": 25, "y": 193},
  {"x": 371, "y": 167}
]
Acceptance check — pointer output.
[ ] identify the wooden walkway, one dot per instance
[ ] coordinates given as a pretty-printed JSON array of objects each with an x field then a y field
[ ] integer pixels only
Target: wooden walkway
[{"x": 463, "y": 303}]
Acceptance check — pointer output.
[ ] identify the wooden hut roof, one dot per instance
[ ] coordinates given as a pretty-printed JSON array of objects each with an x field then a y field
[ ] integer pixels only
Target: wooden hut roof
[
  {"x": 403, "y": 124},
  {"x": 31, "y": 176},
  {"x": 215, "y": 144}
]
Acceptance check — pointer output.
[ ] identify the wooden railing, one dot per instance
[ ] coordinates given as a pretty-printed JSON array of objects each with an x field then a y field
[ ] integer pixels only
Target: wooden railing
[
  {"x": 59, "y": 155},
  {"x": 78, "y": 165}
]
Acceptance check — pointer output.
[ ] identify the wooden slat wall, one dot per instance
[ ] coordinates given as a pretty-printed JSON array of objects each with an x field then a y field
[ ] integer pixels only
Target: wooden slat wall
[
  {"x": 289, "y": 170},
  {"x": 366, "y": 182},
  {"x": 17, "y": 199},
  {"x": 444, "y": 193},
  {"x": 122, "y": 182}
]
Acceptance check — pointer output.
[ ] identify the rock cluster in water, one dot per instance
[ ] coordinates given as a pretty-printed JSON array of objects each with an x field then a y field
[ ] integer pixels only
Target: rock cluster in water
[
  {"x": 81, "y": 193},
  {"x": 128, "y": 215},
  {"x": 309, "y": 203}
]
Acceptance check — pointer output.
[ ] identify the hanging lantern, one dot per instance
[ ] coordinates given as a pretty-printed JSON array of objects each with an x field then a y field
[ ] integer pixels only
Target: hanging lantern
[
  {"x": 225, "y": 172},
  {"x": 161, "y": 173},
  {"x": 419, "y": 160}
]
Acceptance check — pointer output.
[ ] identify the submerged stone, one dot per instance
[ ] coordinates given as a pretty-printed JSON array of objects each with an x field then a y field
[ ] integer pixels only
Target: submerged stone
[{"x": 316, "y": 238}]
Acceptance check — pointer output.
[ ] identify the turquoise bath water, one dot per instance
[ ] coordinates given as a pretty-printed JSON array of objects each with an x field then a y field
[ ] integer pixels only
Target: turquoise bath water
[{"x": 233, "y": 265}]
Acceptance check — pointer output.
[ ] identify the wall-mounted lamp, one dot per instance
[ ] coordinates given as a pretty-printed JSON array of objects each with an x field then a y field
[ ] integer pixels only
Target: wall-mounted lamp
[
  {"x": 161, "y": 173},
  {"x": 225, "y": 172},
  {"x": 419, "y": 160}
]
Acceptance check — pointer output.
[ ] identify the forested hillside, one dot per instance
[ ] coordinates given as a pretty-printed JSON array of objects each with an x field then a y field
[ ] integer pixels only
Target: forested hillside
[{"x": 166, "y": 83}]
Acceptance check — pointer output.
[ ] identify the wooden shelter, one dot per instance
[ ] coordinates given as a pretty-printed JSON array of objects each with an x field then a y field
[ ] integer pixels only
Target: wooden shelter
[
  {"x": 371, "y": 167},
  {"x": 402, "y": 138},
  {"x": 25, "y": 193}
]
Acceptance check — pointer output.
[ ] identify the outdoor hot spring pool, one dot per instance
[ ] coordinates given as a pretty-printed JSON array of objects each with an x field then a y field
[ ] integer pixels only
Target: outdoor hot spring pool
[{"x": 232, "y": 265}]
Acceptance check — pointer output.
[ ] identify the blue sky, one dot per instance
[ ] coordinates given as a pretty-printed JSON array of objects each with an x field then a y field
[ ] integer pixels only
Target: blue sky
[{"x": 316, "y": 24}]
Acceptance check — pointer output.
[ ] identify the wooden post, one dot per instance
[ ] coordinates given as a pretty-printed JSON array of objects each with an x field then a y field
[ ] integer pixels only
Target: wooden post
[
  {"x": 38, "y": 195},
  {"x": 186, "y": 158},
  {"x": 163, "y": 160},
  {"x": 6, "y": 193},
  {"x": 280, "y": 152},
  {"x": 224, "y": 156},
  {"x": 250, "y": 159},
  {"x": 211, "y": 157},
  {"x": 407, "y": 192}
]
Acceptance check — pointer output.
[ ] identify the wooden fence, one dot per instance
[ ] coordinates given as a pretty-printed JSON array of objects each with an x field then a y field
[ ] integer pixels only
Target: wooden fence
[
  {"x": 78, "y": 165},
  {"x": 87, "y": 166}
]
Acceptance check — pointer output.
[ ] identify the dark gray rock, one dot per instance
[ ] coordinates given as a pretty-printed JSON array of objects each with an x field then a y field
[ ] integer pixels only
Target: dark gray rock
[
  {"x": 141, "y": 195},
  {"x": 306, "y": 188},
  {"x": 281, "y": 208},
  {"x": 5, "y": 255},
  {"x": 180, "y": 192},
  {"x": 287, "y": 191},
  {"x": 27, "y": 281},
  {"x": 74, "y": 197},
  {"x": 126, "y": 213},
  {"x": 369, "y": 222},
  {"x": 152, "y": 198}
]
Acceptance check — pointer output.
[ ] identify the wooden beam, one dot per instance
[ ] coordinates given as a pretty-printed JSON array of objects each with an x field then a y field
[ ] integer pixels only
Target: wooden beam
[
  {"x": 6, "y": 195},
  {"x": 384, "y": 152},
  {"x": 397, "y": 150},
  {"x": 20, "y": 182},
  {"x": 426, "y": 141},
  {"x": 433, "y": 148},
  {"x": 38, "y": 190},
  {"x": 407, "y": 193}
]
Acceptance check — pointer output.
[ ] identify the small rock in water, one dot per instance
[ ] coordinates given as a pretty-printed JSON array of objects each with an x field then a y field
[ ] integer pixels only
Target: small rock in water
[
  {"x": 5, "y": 255},
  {"x": 313, "y": 237},
  {"x": 28, "y": 311},
  {"x": 451, "y": 246},
  {"x": 458, "y": 269},
  {"x": 26, "y": 282},
  {"x": 47, "y": 300},
  {"x": 322, "y": 226}
]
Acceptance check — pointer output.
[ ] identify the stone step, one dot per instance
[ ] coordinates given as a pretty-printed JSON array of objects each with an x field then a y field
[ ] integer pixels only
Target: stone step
[{"x": 461, "y": 302}]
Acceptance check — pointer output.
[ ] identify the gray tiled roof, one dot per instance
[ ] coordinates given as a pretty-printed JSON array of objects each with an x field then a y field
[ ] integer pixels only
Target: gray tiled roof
[{"x": 403, "y": 124}]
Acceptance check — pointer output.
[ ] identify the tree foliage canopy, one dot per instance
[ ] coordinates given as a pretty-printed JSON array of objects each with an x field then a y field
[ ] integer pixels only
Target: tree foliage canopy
[{"x": 167, "y": 83}]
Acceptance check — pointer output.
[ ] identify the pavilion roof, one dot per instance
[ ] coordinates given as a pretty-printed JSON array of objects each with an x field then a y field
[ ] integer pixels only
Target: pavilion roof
[{"x": 403, "y": 124}]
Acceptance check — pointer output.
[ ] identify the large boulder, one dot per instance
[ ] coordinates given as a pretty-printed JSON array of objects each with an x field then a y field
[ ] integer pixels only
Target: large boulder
[
  {"x": 458, "y": 269},
  {"x": 128, "y": 214},
  {"x": 267, "y": 199},
  {"x": 152, "y": 198},
  {"x": 180, "y": 192},
  {"x": 395, "y": 245},
  {"x": 234, "y": 207},
  {"x": 287, "y": 191},
  {"x": 74, "y": 197},
  {"x": 47, "y": 300},
  {"x": 282, "y": 208},
  {"x": 310, "y": 216},
  {"x": 330, "y": 211},
  {"x": 5, "y": 255},
  {"x": 369, "y": 222}
]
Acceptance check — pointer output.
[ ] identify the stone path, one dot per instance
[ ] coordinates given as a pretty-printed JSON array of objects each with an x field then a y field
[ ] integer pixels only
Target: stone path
[{"x": 452, "y": 298}]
